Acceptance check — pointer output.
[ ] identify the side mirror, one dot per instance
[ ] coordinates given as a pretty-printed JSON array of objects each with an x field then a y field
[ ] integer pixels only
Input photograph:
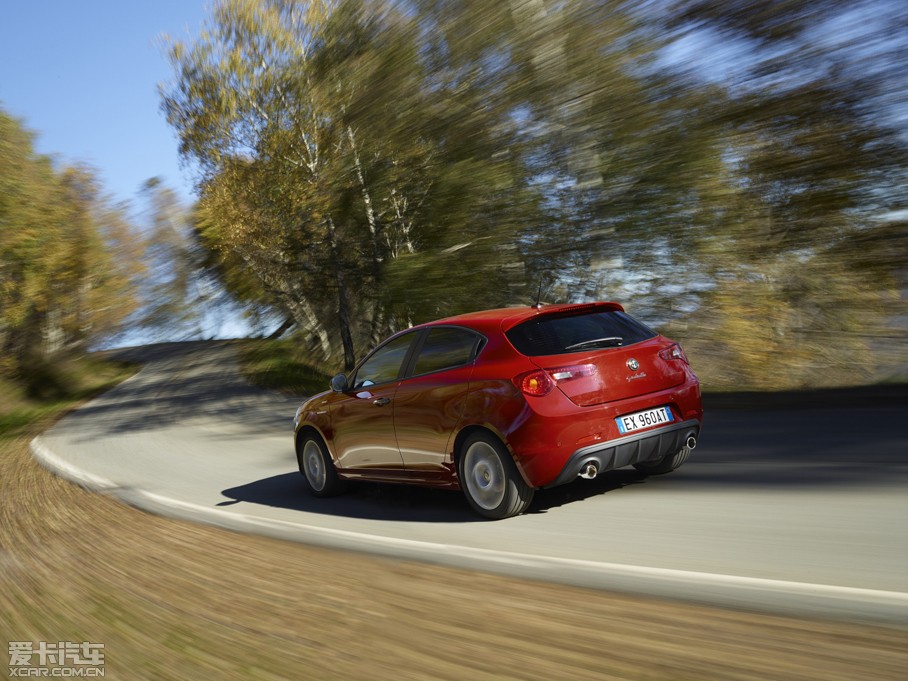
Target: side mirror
[{"x": 339, "y": 383}]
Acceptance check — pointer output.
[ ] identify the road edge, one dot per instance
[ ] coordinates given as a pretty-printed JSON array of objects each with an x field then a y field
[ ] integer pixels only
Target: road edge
[{"x": 728, "y": 591}]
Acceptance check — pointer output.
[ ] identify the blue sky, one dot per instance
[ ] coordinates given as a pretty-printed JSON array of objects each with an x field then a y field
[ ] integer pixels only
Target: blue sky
[{"x": 83, "y": 75}]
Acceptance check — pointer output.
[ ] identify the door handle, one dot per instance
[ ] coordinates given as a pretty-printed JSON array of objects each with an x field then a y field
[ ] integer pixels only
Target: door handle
[{"x": 381, "y": 401}]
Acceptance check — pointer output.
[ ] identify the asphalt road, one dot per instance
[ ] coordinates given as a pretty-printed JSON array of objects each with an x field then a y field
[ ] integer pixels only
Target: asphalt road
[{"x": 788, "y": 510}]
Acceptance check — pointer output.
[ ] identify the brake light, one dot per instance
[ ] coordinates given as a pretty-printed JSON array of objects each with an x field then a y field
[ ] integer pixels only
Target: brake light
[
  {"x": 536, "y": 383},
  {"x": 540, "y": 382},
  {"x": 673, "y": 352}
]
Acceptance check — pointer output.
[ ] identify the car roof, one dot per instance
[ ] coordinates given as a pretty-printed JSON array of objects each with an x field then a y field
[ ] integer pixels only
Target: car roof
[{"x": 506, "y": 318}]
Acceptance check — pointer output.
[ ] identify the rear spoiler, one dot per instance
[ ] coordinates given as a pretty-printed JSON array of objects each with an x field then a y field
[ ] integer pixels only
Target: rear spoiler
[{"x": 558, "y": 311}]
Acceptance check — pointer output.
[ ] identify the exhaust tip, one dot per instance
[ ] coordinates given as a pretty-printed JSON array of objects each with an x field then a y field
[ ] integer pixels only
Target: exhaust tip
[
  {"x": 589, "y": 471},
  {"x": 691, "y": 442}
]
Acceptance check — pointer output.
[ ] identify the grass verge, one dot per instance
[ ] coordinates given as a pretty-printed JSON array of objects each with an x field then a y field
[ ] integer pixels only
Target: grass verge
[
  {"x": 54, "y": 388},
  {"x": 281, "y": 365}
]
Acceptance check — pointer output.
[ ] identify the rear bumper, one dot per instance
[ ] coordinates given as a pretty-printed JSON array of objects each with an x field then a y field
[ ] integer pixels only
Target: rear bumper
[{"x": 651, "y": 445}]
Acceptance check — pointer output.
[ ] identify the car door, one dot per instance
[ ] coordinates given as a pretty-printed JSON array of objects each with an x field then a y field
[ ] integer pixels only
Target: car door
[
  {"x": 362, "y": 416},
  {"x": 429, "y": 403}
]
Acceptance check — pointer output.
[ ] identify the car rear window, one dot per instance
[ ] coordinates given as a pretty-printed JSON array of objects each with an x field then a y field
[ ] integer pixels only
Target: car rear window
[{"x": 556, "y": 334}]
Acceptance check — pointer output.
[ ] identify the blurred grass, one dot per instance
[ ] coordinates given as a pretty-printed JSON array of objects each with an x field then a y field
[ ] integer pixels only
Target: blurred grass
[
  {"x": 282, "y": 365},
  {"x": 41, "y": 390}
]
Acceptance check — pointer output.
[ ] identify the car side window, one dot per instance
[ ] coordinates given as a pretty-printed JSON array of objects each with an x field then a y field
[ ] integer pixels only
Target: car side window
[
  {"x": 445, "y": 348},
  {"x": 384, "y": 364}
]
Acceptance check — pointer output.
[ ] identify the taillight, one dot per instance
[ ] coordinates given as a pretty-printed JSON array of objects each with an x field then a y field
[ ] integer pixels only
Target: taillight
[
  {"x": 536, "y": 383},
  {"x": 540, "y": 382},
  {"x": 569, "y": 373},
  {"x": 673, "y": 352}
]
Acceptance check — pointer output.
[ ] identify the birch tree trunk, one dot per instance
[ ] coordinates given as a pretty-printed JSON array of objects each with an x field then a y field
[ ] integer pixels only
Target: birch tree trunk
[{"x": 343, "y": 301}]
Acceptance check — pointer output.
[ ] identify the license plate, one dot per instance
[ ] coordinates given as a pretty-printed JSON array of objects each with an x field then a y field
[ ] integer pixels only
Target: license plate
[{"x": 644, "y": 419}]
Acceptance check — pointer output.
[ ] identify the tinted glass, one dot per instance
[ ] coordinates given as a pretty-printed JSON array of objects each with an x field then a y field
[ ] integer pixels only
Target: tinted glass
[
  {"x": 384, "y": 365},
  {"x": 554, "y": 335},
  {"x": 445, "y": 348}
]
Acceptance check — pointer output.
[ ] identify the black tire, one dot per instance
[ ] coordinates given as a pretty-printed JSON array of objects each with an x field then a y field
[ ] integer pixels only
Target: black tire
[
  {"x": 489, "y": 478},
  {"x": 317, "y": 467},
  {"x": 666, "y": 464}
]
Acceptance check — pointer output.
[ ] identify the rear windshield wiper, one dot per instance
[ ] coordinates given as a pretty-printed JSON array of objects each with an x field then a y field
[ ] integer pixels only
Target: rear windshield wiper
[{"x": 611, "y": 340}]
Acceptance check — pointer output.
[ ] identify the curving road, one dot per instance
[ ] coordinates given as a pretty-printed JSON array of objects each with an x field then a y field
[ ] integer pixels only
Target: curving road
[{"x": 800, "y": 511}]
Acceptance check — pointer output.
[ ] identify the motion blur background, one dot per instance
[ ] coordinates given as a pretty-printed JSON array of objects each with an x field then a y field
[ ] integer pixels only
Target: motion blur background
[{"x": 733, "y": 172}]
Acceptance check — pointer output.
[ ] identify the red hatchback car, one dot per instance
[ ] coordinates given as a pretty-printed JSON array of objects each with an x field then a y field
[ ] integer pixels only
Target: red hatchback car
[{"x": 502, "y": 402}]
